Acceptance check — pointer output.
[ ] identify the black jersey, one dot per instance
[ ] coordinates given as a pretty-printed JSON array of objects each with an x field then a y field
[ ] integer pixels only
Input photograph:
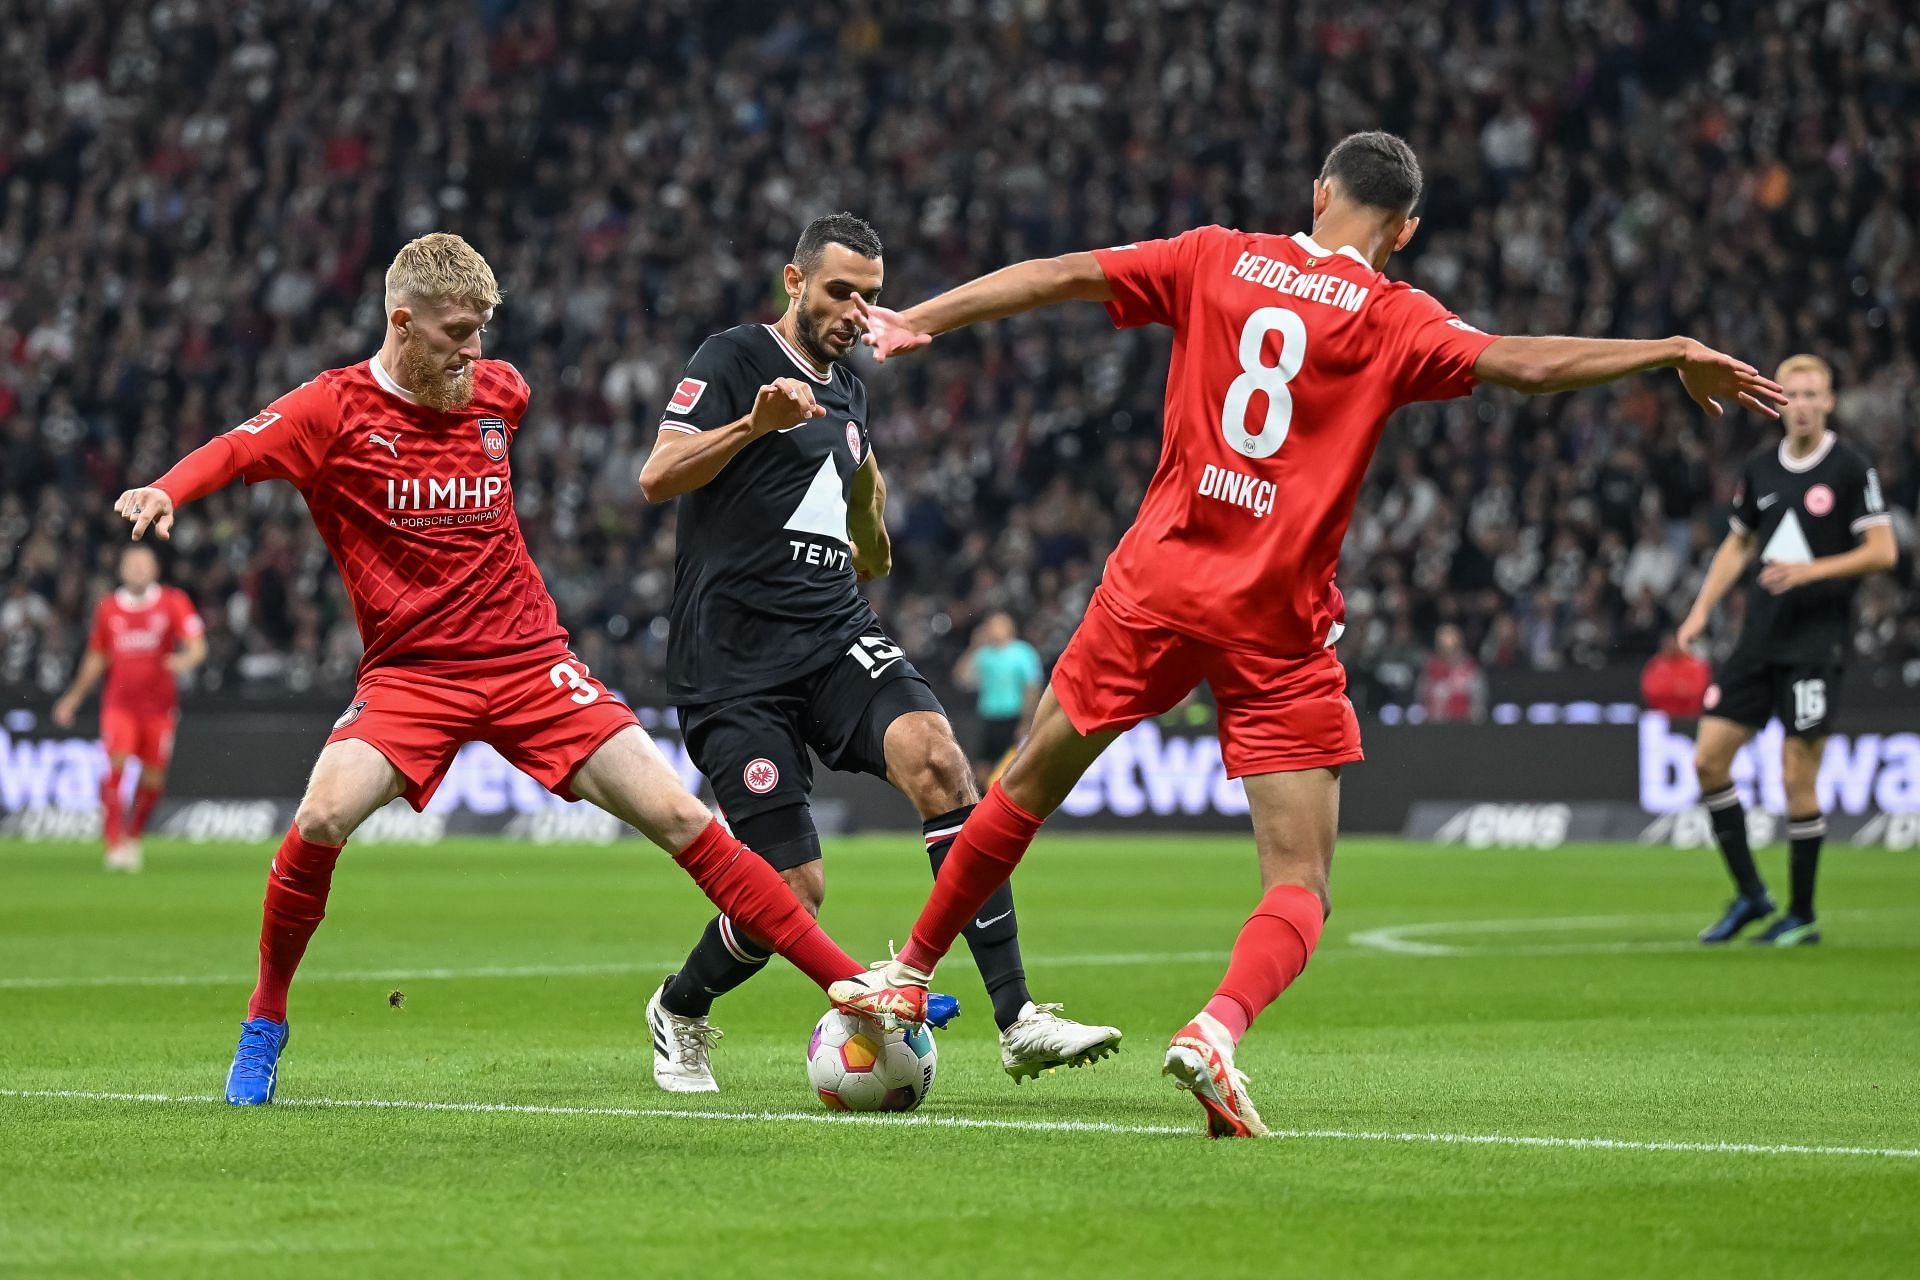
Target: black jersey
[
  {"x": 763, "y": 581},
  {"x": 1800, "y": 509}
]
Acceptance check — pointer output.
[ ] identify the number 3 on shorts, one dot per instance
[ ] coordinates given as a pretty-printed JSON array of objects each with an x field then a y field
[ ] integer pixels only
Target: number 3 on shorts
[
  {"x": 567, "y": 676},
  {"x": 1257, "y": 375}
]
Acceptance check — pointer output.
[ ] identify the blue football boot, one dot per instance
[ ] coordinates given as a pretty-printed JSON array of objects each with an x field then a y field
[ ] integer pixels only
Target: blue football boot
[
  {"x": 1741, "y": 912},
  {"x": 1788, "y": 931},
  {"x": 941, "y": 1009},
  {"x": 256, "y": 1063}
]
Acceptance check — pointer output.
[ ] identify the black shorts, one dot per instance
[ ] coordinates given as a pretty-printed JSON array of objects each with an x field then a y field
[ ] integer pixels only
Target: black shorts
[
  {"x": 1801, "y": 695},
  {"x": 753, "y": 749},
  {"x": 997, "y": 736}
]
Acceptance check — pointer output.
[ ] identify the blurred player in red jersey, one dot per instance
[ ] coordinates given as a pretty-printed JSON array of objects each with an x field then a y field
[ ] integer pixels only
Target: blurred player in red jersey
[
  {"x": 1289, "y": 353},
  {"x": 402, "y": 459},
  {"x": 145, "y": 636}
]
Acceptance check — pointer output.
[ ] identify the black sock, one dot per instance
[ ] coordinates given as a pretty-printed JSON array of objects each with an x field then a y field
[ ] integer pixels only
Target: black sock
[
  {"x": 1730, "y": 831},
  {"x": 718, "y": 963},
  {"x": 992, "y": 935},
  {"x": 1804, "y": 836}
]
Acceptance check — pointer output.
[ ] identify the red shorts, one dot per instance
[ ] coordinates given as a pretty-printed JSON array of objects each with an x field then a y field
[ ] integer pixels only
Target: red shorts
[
  {"x": 146, "y": 736},
  {"x": 545, "y": 718},
  {"x": 1277, "y": 714}
]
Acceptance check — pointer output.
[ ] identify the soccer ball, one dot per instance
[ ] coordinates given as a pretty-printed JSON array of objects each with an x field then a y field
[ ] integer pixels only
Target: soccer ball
[{"x": 854, "y": 1066}]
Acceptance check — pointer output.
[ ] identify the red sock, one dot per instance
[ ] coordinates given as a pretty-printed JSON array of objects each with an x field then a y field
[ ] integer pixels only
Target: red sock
[
  {"x": 757, "y": 900},
  {"x": 110, "y": 807},
  {"x": 144, "y": 798},
  {"x": 982, "y": 859},
  {"x": 297, "y": 885},
  {"x": 1273, "y": 947}
]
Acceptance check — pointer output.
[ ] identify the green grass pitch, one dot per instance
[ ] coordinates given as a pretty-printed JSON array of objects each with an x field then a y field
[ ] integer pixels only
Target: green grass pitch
[{"x": 1457, "y": 997}]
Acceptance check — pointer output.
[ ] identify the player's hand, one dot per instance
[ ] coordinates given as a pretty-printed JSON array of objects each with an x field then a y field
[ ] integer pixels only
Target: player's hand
[
  {"x": 782, "y": 404},
  {"x": 146, "y": 507},
  {"x": 871, "y": 564},
  {"x": 1781, "y": 578},
  {"x": 1712, "y": 376},
  {"x": 1691, "y": 631},
  {"x": 63, "y": 712},
  {"x": 888, "y": 332}
]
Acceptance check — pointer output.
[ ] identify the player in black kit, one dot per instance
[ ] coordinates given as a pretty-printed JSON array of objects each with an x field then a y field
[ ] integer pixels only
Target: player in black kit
[
  {"x": 1812, "y": 510},
  {"x": 773, "y": 650}
]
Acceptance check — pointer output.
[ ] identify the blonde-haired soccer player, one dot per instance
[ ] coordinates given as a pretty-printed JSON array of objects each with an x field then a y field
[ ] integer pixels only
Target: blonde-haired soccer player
[
  {"x": 1810, "y": 510},
  {"x": 402, "y": 459}
]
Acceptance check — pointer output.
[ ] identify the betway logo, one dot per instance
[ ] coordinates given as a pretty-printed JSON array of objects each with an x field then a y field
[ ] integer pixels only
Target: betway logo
[
  {"x": 50, "y": 773},
  {"x": 1144, "y": 772},
  {"x": 1858, "y": 773},
  {"x": 457, "y": 493}
]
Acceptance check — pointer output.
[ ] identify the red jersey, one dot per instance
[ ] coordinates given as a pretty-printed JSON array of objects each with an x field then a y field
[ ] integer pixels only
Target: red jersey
[
  {"x": 1287, "y": 360},
  {"x": 138, "y": 634},
  {"x": 416, "y": 506}
]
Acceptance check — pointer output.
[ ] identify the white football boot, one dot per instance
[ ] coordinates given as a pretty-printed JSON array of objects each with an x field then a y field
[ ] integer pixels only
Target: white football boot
[
  {"x": 126, "y": 856},
  {"x": 1040, "y": 1040},
  {"x": 1200, "y": 1060},
  {"x": 681, "y": 1049}
]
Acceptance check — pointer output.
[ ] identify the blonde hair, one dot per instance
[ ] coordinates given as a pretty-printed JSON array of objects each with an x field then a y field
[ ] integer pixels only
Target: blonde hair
[
  {"x": 1804, "y": 363},
  {"x": 441, "y": 268}
]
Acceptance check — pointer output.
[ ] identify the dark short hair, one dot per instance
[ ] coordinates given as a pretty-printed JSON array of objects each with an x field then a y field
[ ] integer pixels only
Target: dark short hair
[
  {"x": 834, "y": 228},
  {"x": 1376, "y": 169}
]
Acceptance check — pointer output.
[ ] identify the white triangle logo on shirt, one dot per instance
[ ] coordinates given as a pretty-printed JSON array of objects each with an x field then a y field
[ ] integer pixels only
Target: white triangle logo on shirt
[
  {"x": 824, "y": 510},
  {"x": 1788, "y": 545}
]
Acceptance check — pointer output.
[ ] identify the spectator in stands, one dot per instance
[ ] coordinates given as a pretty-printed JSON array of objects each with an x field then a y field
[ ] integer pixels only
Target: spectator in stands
[
  {"x": 1453, "y": 689},
  {"x": 1674, "y": 681},
  {"x": 1004, "y": 673}
]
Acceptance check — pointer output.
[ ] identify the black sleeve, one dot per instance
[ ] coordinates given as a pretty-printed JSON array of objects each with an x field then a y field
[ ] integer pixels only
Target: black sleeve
[
  {"x": 717, "y": 388},
  {"x": 1862, "y": 503},
  {"x": 1745, "y": 516}
]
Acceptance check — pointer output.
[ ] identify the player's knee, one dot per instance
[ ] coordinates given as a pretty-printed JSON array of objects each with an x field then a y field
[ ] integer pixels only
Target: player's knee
[
  {"x": 938, "y": 776},
  {"x": 323, "y": 819},
  {"x": 1711, "y": 767}
]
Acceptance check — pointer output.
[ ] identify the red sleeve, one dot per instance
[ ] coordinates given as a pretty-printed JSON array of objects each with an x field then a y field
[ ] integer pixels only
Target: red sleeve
[
  {"x": 1149, "y": 279},
  {"x": 289, "y": 439},
  {"x": 1436, "y": 349},
  {"x": 186, "y": 620},
  {"x": 522, "y": 393},
  {"x": 97, "y": 640}
]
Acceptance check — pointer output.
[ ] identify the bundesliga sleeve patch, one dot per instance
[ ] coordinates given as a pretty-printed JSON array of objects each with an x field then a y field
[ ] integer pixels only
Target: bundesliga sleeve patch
[
  {"x": 259, "y": 422},
  {"x": 686, "y": 395}
]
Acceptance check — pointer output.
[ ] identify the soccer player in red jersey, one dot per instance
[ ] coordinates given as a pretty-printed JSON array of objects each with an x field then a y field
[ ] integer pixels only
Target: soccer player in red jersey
[
  {"x": 145, "y": 635},
  {"x": 1289, "y": 354},
  {"x": 402, "y": 459}
]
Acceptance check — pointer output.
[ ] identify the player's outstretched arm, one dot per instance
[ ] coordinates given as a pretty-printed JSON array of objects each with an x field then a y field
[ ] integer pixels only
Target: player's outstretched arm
[
  {"x": 1729, "y": 562},
  {"x": 1024, "y": 286},
  {"x": 1540, "y": 366},
  {"x": 210, "y": 467},
  {"x": 682, "y": 462}
]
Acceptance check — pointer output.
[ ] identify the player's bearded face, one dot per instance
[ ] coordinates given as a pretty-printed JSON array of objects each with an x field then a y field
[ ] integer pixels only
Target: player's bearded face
[
  {"x": 826, "y": 333},
  {"x": 426, "y": 369}
]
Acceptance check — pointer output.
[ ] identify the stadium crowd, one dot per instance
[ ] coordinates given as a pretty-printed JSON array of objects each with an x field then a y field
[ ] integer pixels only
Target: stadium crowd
[{"x": 197, "y": 203}]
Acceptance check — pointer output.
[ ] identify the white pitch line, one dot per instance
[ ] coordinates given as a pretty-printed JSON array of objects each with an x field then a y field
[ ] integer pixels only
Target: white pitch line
[
  {"x": 66, "y": 982},
  {"x": 974, "y": 1122}
]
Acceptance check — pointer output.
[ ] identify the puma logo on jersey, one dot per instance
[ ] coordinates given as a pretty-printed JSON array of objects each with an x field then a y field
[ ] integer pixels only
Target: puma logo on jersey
[
  {"x": 1239, "y": 489},
  {"x": 392, "y": 446}
]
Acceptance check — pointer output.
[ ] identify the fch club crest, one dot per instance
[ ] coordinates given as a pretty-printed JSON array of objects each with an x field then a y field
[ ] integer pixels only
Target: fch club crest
[{"x": 493, "y": 438}]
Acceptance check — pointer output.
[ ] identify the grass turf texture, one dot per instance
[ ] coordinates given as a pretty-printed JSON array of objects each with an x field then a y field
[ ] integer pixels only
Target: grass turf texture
[{"x": 1475, "y": 1021}]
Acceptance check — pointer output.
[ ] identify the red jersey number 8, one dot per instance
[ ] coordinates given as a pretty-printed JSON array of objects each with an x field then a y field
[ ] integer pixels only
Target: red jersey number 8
[
  {"x": 566, "y": 676},
  {"x": 1257, "y": 375}
]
